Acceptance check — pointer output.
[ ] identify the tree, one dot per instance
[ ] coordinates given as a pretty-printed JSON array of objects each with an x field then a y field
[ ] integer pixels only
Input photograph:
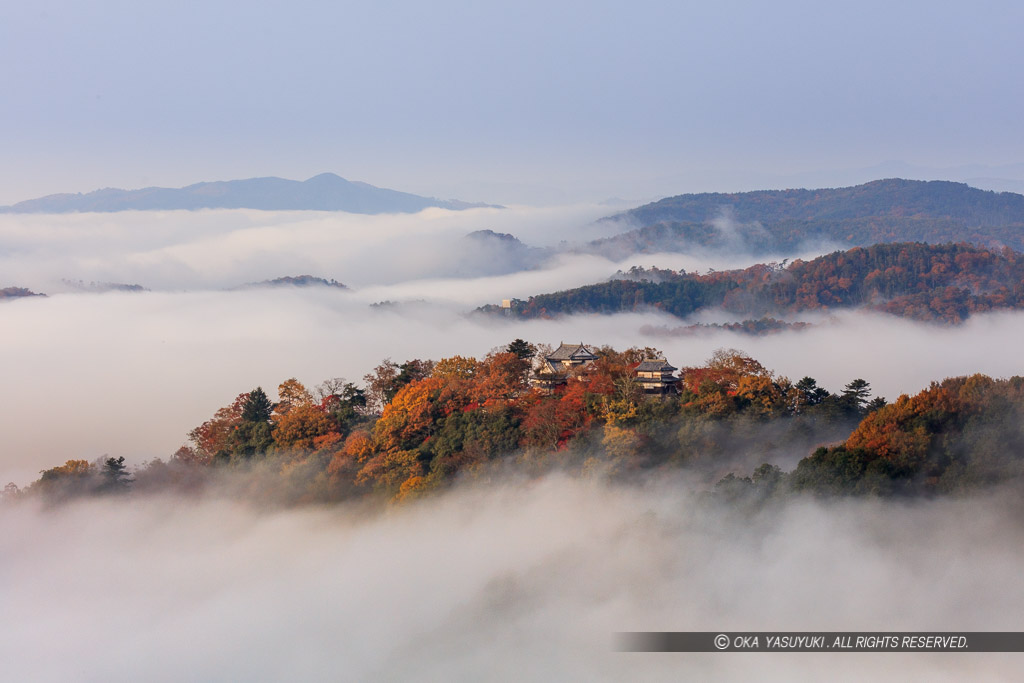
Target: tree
[
  {"x": 378, "y": 385},
  {"x": 346, "y": 406},
  {"x": 456, "y": 367},
  {"x": 73, "y": 478},
  {"x": 116, "y": 478},
  {"x": 241, "y": 429},
  {"x": 524, "y": 349},
  {"x": 187, "y": 455},
  {"x": 500, "y": 377},
  {"x": 875, "y": 404},
  {"x": 811, "y": 393},
  {"x": 298, "y": 429},
  {"x": 213, "y": 436},
  {"x": 329, "y": 387},
  {"x": 409, "y": 371},
  {"x": 855, "y": 396},
  {"x": 257, "y": 407},
  {"x": 249, "y": 439},
  {"x": 10, "y": 492},
  {"x": 291, "y": 394},
  {"x": 388, "y": 378}
]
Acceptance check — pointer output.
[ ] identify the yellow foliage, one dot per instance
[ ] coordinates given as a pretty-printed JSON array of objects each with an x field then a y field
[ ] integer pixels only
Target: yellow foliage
[
  {"x": 389, "y": 469},
  {"x": 615, "y": 411},
  {"x": 291, "y": 394},
  {"x": 411, "y": 488},
  {"x": 455, "y": 367},
  {"x": 71, "y": 468},
  {"x": 620, "y": 443}
]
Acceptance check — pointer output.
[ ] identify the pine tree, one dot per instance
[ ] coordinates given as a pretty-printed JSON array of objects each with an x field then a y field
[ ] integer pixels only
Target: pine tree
[
  {"x": 257, "y": 407},
  {"x": 116, "y": 478}
]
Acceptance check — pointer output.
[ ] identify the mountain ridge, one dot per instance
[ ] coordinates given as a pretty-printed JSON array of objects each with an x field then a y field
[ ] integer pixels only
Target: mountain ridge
[
  {"x": 944, "y": 284},
  {"x": 323, "y": 192},
  {"x": 781, "y": 221}
]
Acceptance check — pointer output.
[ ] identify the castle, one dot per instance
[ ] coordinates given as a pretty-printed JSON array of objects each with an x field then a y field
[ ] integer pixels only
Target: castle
[{"x": 653, "y": 374}]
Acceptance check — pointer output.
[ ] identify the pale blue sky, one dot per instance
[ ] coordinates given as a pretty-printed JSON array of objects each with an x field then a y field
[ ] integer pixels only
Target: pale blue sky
[{"x": 502, "y": 102}]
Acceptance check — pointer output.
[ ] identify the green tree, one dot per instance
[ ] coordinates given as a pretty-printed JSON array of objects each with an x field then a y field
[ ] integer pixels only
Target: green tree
[
  {"x": 257, "y": 407},
  {"x": 811, "y": 392},
  {"x": 524, "y": 349},
  {"x": 249, "y": 439},
  {"x": 116, "y": 478},
  {"x": 855, "y": 396}
]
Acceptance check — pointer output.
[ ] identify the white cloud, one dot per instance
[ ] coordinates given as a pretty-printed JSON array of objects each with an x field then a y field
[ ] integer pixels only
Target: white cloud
[
  {"x": 218, "y": 248},
  {"x": 525, "y": 581}
]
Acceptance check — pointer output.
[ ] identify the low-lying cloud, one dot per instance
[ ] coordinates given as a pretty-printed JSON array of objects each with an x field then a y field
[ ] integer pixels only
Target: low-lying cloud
[
  {"x": 131, "y": 374},
  {"x": 222, "y": 248},
  {"x": 524, "y": 581}
]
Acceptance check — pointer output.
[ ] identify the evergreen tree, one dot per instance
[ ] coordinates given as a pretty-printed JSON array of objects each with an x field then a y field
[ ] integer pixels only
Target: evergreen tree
[
  {"x": 257, "y": 407},
  {"x": 812, "y": 393},
  {"x": 521, "y": 348},
  {"x": 855, "y": 396},
  {"x": 115, "y": 475}
]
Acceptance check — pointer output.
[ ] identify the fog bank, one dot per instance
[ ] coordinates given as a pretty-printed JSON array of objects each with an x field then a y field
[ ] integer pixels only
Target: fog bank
[
  {"x": 131, "y": 374},
  {"x": 225, "y": 248},
  {"x": 515, "y": 581}
]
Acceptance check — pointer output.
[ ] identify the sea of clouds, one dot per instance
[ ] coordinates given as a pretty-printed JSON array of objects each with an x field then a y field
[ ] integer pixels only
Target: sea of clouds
[
  {"x": 130, "y": 373},
  {"x": 512, "y": 581}
]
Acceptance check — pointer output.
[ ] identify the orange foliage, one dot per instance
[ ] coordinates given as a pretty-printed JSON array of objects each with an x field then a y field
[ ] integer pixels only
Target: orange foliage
[
  {"x": 904, "y": 429},
  {"x": 212, "y": 436},
  {"x": 297, "y": 429},
  {"x": 410, "y": 415},
  {"x": 500, "y": 378},
  {"x": 328, "y": 443}
]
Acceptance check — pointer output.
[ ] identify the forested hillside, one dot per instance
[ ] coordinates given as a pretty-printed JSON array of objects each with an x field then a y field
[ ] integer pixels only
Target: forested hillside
[
  {"x": 774, "y": 221},
  {"x": 419, "y": 426},
  {"x": 963, "y": 432},
  {"x": 16, "y": 293},
  {"x": 945, "y": 283}
]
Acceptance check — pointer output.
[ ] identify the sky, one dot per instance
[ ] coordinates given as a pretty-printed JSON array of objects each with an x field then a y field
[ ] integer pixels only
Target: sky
[{"x": 525, "y": 102}]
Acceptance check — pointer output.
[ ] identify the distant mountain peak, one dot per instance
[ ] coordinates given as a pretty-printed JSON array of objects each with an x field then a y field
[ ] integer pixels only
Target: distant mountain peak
[
  {"x": 323, "y": 192},
  {"x": 328, "y": 178}
]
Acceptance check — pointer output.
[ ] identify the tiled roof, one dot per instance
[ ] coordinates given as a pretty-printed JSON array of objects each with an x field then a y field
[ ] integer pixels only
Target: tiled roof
[
  {"x": 572, "y": 352},
  {"x": 655, "y": 365}
]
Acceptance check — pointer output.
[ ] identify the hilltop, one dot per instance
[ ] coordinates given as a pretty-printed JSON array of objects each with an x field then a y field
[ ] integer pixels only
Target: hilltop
[
  {"x": 17, "y": 293},
  {"x": 295, "y": 281}
]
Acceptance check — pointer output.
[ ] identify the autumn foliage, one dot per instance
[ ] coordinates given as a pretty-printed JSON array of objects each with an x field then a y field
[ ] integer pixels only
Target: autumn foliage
[
  {"x": 463, "y": 417},
  {"x": 942, "y": 283},
  {"x": 959, "y": 433}
]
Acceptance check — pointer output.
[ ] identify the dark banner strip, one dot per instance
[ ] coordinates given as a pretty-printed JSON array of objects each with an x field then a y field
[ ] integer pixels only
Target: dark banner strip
[{"x": 819, "y": 641}]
